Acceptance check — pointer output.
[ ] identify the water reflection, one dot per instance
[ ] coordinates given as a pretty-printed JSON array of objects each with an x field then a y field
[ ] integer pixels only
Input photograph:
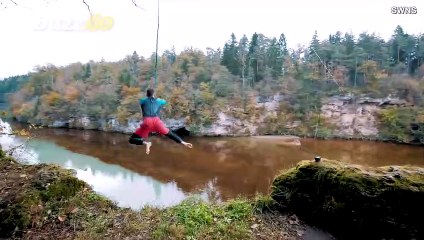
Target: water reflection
[{"x": 126, "y": 187}]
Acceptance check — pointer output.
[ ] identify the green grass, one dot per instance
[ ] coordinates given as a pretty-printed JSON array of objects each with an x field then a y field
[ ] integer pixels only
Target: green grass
[{"x": 195, "y": 219}]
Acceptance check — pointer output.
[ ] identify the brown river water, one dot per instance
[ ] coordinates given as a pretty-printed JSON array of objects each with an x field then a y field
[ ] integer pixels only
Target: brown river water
[{"x": 215, "y": 169}]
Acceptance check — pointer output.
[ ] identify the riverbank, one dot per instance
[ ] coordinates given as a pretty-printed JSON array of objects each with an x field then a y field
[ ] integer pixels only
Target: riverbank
[
  {"x": 340, "y": 117},
  {"x": 38, "y": 201},
  {"x": 291, "y": 138}
]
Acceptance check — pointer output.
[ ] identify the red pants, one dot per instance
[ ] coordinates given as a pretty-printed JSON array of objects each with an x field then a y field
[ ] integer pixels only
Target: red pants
[{"x": 151, "y": 124}]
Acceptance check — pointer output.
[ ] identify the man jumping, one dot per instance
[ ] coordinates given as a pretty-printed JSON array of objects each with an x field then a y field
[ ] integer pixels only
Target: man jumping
[{"x": 151, "y": 107}]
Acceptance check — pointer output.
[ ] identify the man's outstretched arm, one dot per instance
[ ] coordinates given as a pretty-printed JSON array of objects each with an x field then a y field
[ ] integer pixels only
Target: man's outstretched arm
[{"x": 161, "y": 101}]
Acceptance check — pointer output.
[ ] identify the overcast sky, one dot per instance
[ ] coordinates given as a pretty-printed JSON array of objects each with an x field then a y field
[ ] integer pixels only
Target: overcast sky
[{"x": 31, "y": 35}]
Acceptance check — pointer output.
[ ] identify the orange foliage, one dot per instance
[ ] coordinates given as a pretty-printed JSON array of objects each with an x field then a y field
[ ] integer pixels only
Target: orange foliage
[
  {"x": 160, "y": 90},
  {"x": 71, "y": 93},
  {"x": 130, "y": 91},
  {"x": 52, "y": 98},
  {"x": 178, "y": 101},
  {"x": 22, "y": 110}
]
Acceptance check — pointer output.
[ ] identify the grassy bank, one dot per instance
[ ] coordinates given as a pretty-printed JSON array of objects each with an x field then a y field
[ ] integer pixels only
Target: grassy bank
[{"x": 40, "y": 201}]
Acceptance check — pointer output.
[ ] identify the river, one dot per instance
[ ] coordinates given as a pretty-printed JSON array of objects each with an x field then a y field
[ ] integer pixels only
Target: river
[{"x": 215, "y": 169}]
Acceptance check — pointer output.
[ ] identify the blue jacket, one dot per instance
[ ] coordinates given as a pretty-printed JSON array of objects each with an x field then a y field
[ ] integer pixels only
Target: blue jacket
[{"x": 151, "y": 106}]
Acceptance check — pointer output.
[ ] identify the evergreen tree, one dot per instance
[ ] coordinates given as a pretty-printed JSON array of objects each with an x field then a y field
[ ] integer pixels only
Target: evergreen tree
[
  {"x": 229, "y": 57},
  {"x": 272, "y": 58},
  {"x": 134, "y": 68},
  {"x": 313, "y": 48},
  {"x": 87, "y": 72},
  {"x": 253, "y": 59}
]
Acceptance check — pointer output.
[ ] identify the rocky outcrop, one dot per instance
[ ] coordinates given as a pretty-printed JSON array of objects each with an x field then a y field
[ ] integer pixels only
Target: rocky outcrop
[
  {"x": 107, "y": 125},
  {"x": 355, "y": 202},
  {"x": 356, "y": 117},
  {"x": 351, "y": 119},
  {"x": 227, "y": 125}
]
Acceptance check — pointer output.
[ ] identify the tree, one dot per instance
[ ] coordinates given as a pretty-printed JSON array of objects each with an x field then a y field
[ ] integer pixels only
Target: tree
[
  {"x": 282, "y": 53},
  {"x": 419, "y": 54},
  {"x": 134, "y": 68},
  {"x": 397, "y": 45},
  {"x": 313, "y": 48},
  {"x": 404, "y": 51},
  {"x": 229, "y": 56},
  {"x": 276, "y": 54},
  {"x": 213, "y": 58},
  {"x": 170, "y": 55},
  {"x": 87, "y": 72},
  {"x": 370, "y": 70},
  {"x": 13, "y": 84},
  {"x": 253, "y": 59},
  {"x": 242, "y": 56},
  {"x": 222, "y": 83},
  {"x": 336, "y": 38},
  {"x": 349, "y": 43},
  {"x": 273, "y": 58},
  {"x": 125, "y": 78}
]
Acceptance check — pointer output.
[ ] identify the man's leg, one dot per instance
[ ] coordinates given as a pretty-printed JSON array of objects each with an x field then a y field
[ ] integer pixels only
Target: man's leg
[
  {"x": 163, "y": 130},
  {"x": 140, "y": 135},
  {"x": 136, "y": 139}
]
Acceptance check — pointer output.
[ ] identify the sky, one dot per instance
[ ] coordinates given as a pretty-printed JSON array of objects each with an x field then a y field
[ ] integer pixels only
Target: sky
[{"x": 38, "y": 32}]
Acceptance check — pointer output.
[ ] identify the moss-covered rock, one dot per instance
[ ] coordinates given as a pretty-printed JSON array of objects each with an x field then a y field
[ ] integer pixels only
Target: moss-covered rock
[{"x": 354, "y": 202}]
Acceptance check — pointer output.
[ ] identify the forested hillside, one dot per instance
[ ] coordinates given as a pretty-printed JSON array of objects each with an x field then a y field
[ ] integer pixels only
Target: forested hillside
[
  {"x": 12, "y": 84},
  {"x": 199, "y": 85},
  {"x": 9, "y": 86}
]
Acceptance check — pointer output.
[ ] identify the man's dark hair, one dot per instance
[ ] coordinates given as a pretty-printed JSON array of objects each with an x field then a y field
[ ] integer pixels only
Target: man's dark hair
[{"x": 150, "y": 92}]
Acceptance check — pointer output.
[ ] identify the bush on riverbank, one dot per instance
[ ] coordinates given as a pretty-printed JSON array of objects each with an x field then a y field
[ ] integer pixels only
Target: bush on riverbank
[
  {"x": 396, "y": 124},
  {"x": 353, "y": 202}
]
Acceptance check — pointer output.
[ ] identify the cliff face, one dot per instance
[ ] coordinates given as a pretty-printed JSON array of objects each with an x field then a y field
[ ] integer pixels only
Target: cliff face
[
  {"x": 356, "y": 117},
  {"x": 351, "y": 119}
]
